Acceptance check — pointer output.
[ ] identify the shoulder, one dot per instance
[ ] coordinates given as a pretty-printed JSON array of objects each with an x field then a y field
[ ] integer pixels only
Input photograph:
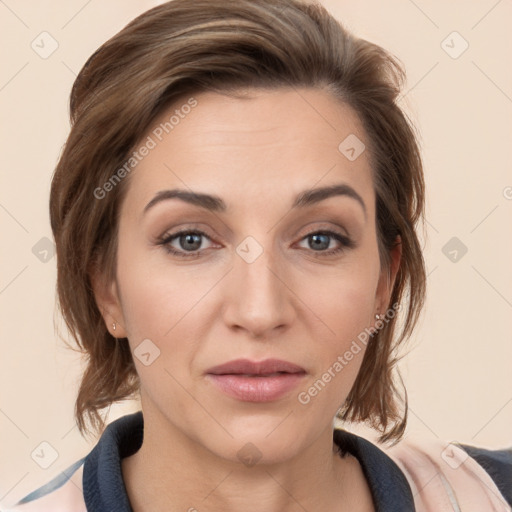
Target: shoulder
[
  {"x": 498, "y": 463},
  {"x": 97, "y": 477},
  {"x": 61, "y": 494},
  {"x": 453, "y": 476}
]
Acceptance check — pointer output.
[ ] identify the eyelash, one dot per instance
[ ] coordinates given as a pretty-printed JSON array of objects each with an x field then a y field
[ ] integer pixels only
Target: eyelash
[{"x": 346, "y": 243}]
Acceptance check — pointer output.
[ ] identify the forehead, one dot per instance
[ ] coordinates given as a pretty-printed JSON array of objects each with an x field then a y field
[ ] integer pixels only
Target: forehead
[{"x": 265, "y": 143}]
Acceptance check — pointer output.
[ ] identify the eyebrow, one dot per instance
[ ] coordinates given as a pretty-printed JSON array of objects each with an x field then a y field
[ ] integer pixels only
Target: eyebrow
[{"x": 216, "y": 204}]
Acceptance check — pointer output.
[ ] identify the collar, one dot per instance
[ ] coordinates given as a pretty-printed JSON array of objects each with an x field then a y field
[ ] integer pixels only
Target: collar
[{"x": 104, "y": 488}]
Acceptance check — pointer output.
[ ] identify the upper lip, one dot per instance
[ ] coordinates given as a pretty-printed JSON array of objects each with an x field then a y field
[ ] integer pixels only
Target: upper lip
[{"x": 245, "y": 366}]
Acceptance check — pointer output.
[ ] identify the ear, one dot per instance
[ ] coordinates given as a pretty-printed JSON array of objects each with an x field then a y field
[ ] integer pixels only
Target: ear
[
  {"x": 106, "y": 294},
  {"x": 387, "y": 278}
]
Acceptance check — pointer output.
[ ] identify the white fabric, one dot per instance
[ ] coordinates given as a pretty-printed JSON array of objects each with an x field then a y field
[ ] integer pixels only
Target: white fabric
[{"x": 444, "y": 478}]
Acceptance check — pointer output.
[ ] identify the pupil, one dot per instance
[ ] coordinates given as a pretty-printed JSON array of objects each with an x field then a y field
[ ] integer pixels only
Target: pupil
[
  {"x": 190, "y": 239},
  {"x": 318, "y": 243}
]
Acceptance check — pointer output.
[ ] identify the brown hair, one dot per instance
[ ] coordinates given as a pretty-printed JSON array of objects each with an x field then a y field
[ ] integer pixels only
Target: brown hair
[{"x": 184, "y": 47}]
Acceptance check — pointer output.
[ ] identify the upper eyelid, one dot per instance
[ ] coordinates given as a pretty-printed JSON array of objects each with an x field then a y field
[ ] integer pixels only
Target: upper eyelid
[
  {"x": 192, "y": 229},
  {"x": 170, "y": 236}
]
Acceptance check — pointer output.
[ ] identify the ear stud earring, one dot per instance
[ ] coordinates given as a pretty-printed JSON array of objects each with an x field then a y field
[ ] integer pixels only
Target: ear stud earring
[{"x": 114, "y": 326}]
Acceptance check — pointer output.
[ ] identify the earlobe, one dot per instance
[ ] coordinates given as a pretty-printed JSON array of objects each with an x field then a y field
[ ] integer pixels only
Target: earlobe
[{"x": 107, "y": 300}]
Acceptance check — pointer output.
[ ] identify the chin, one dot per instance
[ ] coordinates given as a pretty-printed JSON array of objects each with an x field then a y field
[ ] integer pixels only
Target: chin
[{"x": 264, "y": 440}]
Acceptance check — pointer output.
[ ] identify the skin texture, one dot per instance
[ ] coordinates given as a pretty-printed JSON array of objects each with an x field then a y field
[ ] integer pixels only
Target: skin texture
[{"x": 293, "y": 303}]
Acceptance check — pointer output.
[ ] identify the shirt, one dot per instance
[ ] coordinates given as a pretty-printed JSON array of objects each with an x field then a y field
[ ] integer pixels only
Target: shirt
[{"x": 405, "y": 478}]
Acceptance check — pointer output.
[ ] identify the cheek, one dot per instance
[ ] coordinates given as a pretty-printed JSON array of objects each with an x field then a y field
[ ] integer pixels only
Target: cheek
[
  {"x": 144, "y": 296},
  {"x": 337, "y": 357},
  {"x": 162, "y": 304},
  {"x": 345, "y": 305},
  {"x": 344, "y": 301},
  {"x": 152, "y": 298},
  {"x": 348, "y": 315}
]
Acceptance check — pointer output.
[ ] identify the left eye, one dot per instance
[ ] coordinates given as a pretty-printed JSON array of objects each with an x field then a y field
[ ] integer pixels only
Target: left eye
[{"x": 320, "y": 241}]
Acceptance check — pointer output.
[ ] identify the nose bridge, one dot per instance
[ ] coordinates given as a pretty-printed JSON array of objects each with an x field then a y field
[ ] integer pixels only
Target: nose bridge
[{"x": 258, "y": 300}]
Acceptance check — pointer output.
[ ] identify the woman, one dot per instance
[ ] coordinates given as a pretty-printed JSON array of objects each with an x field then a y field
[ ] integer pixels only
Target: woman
[{"x": 234, "y": 213}]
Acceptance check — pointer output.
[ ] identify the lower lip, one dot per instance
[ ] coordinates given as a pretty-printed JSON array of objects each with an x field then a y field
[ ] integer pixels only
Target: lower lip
[{"x": 256, "y": 389}]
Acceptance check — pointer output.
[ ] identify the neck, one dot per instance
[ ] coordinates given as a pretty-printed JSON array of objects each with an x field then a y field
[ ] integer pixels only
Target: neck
[{"x": 173, "y": 472}]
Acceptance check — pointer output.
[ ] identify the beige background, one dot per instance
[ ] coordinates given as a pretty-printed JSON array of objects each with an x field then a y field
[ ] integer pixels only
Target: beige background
[{"x": 458, "y": 371}]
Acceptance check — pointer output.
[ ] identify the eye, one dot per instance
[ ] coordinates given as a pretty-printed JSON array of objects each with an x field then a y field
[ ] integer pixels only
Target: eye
[
  {"x": 188, "y": 243},
  {"x": 185, "y": 243},
  {"x": 319, "y": 241}
]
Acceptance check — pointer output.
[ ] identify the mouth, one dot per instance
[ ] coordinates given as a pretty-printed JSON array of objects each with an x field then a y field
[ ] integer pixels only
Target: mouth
[
  {"x": 256, "y": 368},
  {"x": 253, "y": 381}
]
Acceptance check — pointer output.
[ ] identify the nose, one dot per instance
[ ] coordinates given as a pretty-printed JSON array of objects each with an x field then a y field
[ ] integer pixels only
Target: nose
[{"x": 258, "y": 300}]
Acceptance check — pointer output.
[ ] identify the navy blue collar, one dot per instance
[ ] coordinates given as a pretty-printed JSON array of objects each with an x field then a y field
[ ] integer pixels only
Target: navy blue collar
[
  {"x": 104, "y": 488},
  {"x": 390, "y": 489}
]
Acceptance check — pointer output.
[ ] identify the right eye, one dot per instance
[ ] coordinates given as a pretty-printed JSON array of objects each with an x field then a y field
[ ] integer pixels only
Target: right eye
[{"x": 185, "y": 243}]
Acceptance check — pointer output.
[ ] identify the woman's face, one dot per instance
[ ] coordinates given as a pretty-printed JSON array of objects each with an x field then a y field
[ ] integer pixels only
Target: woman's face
[{"x": 266, "y": 270}]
